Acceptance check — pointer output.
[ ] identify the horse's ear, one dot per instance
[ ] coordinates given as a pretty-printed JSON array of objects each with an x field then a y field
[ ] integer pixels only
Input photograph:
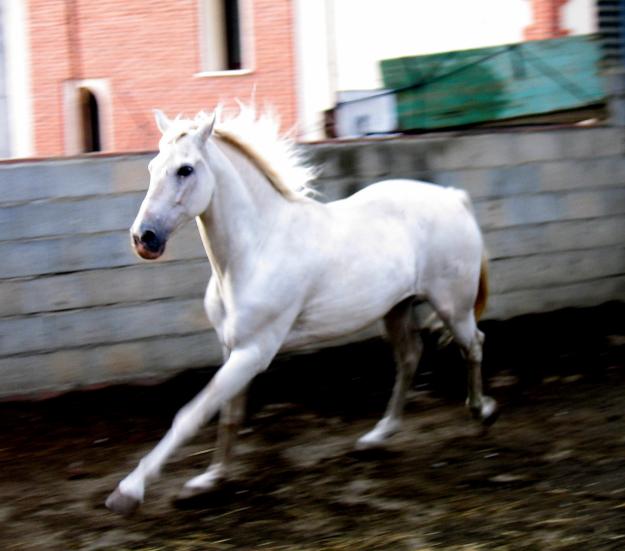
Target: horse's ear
[
  {"x": 162, "y": 121},
  {"x": 205, "y": 130}
]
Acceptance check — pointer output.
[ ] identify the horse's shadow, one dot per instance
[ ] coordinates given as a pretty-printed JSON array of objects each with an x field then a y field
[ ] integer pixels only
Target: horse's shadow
[{"x": 269, "y": 476}]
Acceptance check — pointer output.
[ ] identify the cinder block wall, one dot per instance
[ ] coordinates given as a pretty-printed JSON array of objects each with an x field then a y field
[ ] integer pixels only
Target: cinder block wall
[
  {"x": 551, "y": 205},
  {"x": 78, "y": 308}
]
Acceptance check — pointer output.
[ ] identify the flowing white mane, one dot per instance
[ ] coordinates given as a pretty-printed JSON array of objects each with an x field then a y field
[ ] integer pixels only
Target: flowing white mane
[{"x": 259, "y": 138}]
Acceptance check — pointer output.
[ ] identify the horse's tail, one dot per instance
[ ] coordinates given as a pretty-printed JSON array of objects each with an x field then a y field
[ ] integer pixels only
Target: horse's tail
[{"x": 482, "y": 289}]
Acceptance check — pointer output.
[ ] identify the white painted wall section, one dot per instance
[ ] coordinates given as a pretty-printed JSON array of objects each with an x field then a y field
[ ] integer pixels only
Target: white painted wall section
[
  {"x": 372, "y": 30},
  {"x": 19, "y": 96}
]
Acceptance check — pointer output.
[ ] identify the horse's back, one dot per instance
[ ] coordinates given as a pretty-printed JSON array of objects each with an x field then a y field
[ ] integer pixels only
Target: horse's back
[
  {"x": 406, "y": 193},
  {"x": 436, "y": 217}
]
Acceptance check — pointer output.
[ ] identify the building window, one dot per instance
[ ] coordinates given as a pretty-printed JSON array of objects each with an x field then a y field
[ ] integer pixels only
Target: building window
[{"x": 223, "y": 33}]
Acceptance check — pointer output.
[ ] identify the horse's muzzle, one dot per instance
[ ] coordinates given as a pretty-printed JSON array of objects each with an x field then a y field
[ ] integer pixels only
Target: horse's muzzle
[{"x": 148, "y": 244}]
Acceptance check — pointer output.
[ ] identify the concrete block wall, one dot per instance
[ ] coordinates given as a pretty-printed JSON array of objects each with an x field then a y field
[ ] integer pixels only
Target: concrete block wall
[
  {"x": 78, "y": 308},
  {"x": 551, "y": 205}
]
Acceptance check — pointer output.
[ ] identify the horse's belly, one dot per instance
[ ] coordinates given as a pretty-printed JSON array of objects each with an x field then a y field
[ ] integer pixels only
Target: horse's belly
[
  {"x": 311, "y": 332},
  {"x": 348, "y": 306}
]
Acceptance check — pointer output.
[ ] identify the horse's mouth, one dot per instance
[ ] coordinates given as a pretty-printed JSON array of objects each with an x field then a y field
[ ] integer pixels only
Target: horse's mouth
[{"x": 147, "y": 254}]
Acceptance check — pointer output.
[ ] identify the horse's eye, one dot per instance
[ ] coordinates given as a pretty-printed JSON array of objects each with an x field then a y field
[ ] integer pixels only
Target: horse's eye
[{"x": 185, "y": 171}]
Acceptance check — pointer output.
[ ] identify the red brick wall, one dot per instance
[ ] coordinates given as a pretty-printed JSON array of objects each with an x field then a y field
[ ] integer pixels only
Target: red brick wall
[
  {"x": 150, "y": 52},
  {"x": 547, "y": 18}
]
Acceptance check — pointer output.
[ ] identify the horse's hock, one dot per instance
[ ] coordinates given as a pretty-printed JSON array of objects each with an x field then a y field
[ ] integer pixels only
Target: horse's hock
[{"x": 79, "y": 309}]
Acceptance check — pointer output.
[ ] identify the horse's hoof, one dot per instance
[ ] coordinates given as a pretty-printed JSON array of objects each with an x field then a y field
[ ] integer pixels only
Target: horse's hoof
[
  {"x": 193, "y": 497},
  {"x": 487, "y": 412},
  {"x": 488, "y": 420},
  {"x": 376, "y": 438},
  {"x": 121, "y": 503},
  {"x": 362, "y": 445},
  {"x": 188, "y": 493},
  {"x": 373, "y": 440}
]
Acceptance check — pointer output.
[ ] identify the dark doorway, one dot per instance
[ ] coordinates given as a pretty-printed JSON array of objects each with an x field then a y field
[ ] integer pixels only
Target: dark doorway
[{"x": 89, "y": 121}]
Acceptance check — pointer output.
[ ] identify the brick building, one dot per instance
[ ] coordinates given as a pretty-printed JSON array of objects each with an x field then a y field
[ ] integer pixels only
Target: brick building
[
  {"x": 98, "y": 67},
  {"x": 84, "y": 75},
  {"x": 558, "y": 18}
]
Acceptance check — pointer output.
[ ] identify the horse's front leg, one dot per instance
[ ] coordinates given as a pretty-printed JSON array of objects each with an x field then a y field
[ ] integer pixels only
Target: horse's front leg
[
  {"x": 230, "y": 419},
  {"x": 239, "y": 369}
]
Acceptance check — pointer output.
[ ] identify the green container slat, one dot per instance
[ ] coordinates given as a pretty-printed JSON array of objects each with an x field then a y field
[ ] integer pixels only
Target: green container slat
[{"x": 493, "y": 84}]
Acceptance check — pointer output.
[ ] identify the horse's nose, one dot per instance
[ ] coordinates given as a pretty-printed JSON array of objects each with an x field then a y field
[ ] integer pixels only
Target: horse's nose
[{"x": 150, "y": 241}]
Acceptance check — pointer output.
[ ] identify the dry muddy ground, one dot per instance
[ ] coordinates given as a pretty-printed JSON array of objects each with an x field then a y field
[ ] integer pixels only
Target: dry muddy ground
[{"x": 550, "y": 474}]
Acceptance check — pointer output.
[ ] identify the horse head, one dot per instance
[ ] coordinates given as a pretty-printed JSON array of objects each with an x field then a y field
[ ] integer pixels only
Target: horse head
[{"x": 181, "y": 183}]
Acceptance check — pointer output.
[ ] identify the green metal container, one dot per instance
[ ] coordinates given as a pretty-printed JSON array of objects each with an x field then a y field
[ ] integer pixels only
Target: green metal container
[{"x": 495, "y": 84}]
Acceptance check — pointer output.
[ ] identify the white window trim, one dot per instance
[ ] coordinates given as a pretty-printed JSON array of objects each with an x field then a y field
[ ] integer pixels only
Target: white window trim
[
  {"x": 248, "y": 53},
  {"x": 101, "y": 89},
  {"x": 233, "y": 73}
]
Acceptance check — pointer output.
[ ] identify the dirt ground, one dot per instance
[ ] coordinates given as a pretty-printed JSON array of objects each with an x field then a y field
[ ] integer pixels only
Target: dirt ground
[{"x": 550, "y": 474}]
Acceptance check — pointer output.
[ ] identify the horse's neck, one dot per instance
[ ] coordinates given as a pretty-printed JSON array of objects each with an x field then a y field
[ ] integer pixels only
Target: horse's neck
[{"x": 243, "y": 210}]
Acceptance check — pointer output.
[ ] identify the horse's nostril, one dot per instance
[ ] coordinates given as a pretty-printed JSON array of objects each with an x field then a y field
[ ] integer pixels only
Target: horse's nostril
[
  {"x": 151, "y": 241},
  {"x": 148, "y": 237}
]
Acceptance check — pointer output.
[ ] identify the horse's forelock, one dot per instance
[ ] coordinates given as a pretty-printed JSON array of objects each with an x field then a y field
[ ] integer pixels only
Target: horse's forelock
[{"x": 178, "y": 129}]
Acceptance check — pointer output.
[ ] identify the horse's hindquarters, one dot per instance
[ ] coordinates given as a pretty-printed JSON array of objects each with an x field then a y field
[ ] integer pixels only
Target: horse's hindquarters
[{"x": 390, "y": 241}]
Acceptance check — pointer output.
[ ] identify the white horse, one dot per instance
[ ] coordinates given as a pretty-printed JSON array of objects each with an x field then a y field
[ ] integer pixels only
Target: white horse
[{"x": 289, "y": 272}]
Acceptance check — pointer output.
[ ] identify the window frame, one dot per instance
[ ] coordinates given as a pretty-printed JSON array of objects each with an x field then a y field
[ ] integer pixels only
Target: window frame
[{"x": 246, "y": 34}]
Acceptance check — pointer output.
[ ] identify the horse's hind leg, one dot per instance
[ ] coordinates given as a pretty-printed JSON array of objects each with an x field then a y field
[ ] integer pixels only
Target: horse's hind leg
[
  {"x": 471, "y": 339},
  {"x": 407, "y": 348},
  {"x": 230, "y": 419},
  {"x": 482, "y": 407}
]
